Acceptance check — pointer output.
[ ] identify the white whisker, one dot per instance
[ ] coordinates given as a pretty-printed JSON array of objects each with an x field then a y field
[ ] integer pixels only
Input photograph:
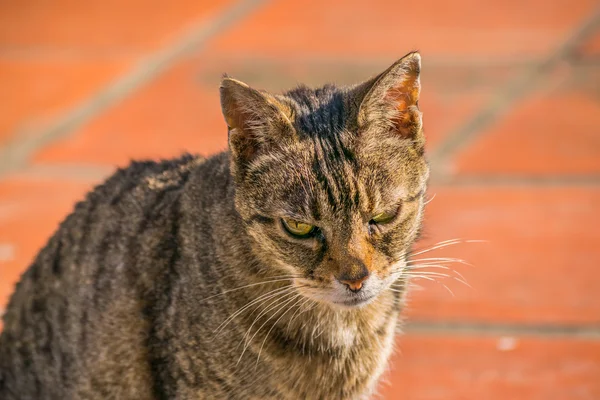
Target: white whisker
[
  {"x": 439, "y": 245},
  {"x": 437, "y": 274},
  {"x": 275, "y": 323},
  {"x": 247, "y": 286},
  {"x": 264, "y": 323},
  {"x": 261, "y": 298},
  {"x": 435, "y": 266},
  {"x": 429, "y": 278},
  {"x": 296, "y": 314},
  {"x": 430, "y": 199},
  {"x": 446, "y": 287},
  {"x": 441, "y": 260},
  {"x": 265, "y": 310}
]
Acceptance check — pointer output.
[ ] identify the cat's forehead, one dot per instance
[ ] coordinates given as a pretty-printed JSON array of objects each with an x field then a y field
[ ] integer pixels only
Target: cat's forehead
[
  {"x": 321, "y": 111},
  {"x": 327, "y": 177}
]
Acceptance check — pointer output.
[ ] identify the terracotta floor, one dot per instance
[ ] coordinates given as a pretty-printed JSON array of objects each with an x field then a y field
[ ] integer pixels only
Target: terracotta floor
[{"x": 511, "y": 102}]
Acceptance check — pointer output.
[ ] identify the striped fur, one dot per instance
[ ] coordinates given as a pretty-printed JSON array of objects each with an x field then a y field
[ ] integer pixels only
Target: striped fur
[{"x": 138, "y": 293}]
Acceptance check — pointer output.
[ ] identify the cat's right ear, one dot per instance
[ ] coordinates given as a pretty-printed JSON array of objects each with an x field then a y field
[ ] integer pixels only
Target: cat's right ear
[
  {"x": 257, "y": 121},
  {"x": 391, "y": 100}
]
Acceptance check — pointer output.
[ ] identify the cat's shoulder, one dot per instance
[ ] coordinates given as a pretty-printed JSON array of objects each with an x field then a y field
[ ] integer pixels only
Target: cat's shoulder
[
  {"x": 142, "y": 182},
  {"x": 152, "y": 176}
]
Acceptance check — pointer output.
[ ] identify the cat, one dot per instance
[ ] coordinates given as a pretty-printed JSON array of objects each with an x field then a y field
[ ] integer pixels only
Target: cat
[{"x": 271, "y": 270}]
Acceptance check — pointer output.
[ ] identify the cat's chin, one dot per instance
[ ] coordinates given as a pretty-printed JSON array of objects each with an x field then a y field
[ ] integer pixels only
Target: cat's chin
[{"x": 354, "y": 302}]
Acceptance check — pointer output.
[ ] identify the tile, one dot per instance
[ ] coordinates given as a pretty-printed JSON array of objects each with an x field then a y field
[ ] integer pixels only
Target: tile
[
  {"x": 469, "y": 28},
  {"x": 552, "y": 131},
  {"x": 590, "y": 48},
  {"x": 96, "y": 27},
  {"x": 34, "y": 93},
  {"x": 539, "y": 265},
  {"x": 53, "y": 55},
  {"x": 472, "y": 367},
  {"x": 171, "y": 115}
]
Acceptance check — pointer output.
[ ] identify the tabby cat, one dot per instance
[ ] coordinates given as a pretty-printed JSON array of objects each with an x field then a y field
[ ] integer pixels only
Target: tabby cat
[{"x": 272, "y": 270}]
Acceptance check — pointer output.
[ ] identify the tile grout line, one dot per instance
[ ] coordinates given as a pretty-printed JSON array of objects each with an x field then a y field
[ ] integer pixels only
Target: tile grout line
[
  {"x": 15, "y": 154},
  {"x": 500, "y": 104},
  {"x": 529, "y": 181},
  {"x": 550, "y": 331}
]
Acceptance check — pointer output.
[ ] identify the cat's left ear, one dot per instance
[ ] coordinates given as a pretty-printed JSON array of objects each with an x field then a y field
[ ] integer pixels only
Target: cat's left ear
[{"x": 392, "y": 98}]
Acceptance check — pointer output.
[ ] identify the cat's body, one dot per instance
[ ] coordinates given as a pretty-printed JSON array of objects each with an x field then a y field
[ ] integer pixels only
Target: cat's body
[{"x": 174, "y": 279}]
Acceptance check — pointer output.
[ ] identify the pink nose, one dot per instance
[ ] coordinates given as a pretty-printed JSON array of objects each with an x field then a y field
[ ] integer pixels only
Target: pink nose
[{"x": 354, "y": 284}]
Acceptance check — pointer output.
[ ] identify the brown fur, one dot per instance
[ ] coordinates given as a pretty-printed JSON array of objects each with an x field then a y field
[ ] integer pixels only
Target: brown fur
[{"x": 178, "y": 280}]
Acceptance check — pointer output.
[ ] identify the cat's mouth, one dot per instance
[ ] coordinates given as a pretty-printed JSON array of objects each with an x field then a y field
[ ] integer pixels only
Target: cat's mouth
[
  {"x": 339, "y": 295},
  {"x": 356, "y": 301},
  {"x": 359, "y": 299}
]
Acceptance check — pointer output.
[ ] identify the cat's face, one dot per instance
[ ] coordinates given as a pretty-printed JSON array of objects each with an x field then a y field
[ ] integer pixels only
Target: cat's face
[{"x": 330, "y": 182}]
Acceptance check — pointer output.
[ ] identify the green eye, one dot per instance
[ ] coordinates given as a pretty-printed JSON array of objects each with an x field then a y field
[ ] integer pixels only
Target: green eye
[
  {"x": 297, "y": 228},
  {"x": 383, "y": 218}
]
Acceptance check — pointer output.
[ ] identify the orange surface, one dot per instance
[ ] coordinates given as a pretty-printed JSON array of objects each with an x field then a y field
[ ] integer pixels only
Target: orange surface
[
  {"x": 35, "y": 92},
  {"x": 526, "y": 179}
]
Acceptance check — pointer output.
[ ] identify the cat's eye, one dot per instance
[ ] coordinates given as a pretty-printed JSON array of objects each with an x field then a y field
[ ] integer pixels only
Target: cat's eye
[
  {"x": 298, "y": 228},
  {"x": 383, "y": 218}
]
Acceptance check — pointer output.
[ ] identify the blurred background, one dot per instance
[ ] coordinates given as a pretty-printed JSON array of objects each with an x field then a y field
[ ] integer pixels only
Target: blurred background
[{"x": 511, "y": 103}]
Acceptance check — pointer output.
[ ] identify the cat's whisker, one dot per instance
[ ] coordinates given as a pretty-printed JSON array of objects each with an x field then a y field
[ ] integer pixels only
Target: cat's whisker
[
  {"x": 426, "y": 273},
  {"x": 447, "y": 288},
  {"x": 318, "y": 331},
  {"x": 429, "y": 278},
  {"x": 266, "y": 309},
  {"x": 259, "y": 299},
  {"x": 433, "y": 263},
  {"x": 296, "y": 314},
  {"x": 433, "y": 274},
  {"x": 422, "y": 269},
  {"x": 274, "y": 324},
  {"x": 435, "y": 266},
  {"x": 439, "y": 245},
  {"x": 414, "y": 286},
  {"x": 285, "y": 302},
  {"x": 400, "y": 271},
  {"x": 430, "y": 199},
  {"x": 247, "y": 286},
  {"x": 256, "y": 303},
  {"x": 424, "y": 266},
  {"x": 422, "y": 277},
  {"x": 446, "y": 243},
  {"x": 441, "y": 260},
  {"x": 245, "y": 339}
]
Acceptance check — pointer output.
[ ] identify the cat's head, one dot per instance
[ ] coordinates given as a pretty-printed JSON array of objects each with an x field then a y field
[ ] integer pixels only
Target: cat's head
[{"x": 330, "y": 182}]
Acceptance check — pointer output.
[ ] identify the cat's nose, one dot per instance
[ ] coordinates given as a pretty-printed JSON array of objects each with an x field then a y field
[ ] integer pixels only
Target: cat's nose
[{"x": 354, "y": 282}]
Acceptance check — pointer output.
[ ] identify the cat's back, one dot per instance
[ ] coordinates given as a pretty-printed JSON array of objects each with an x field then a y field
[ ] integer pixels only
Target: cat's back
[{"x": 81, "y": 308}]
